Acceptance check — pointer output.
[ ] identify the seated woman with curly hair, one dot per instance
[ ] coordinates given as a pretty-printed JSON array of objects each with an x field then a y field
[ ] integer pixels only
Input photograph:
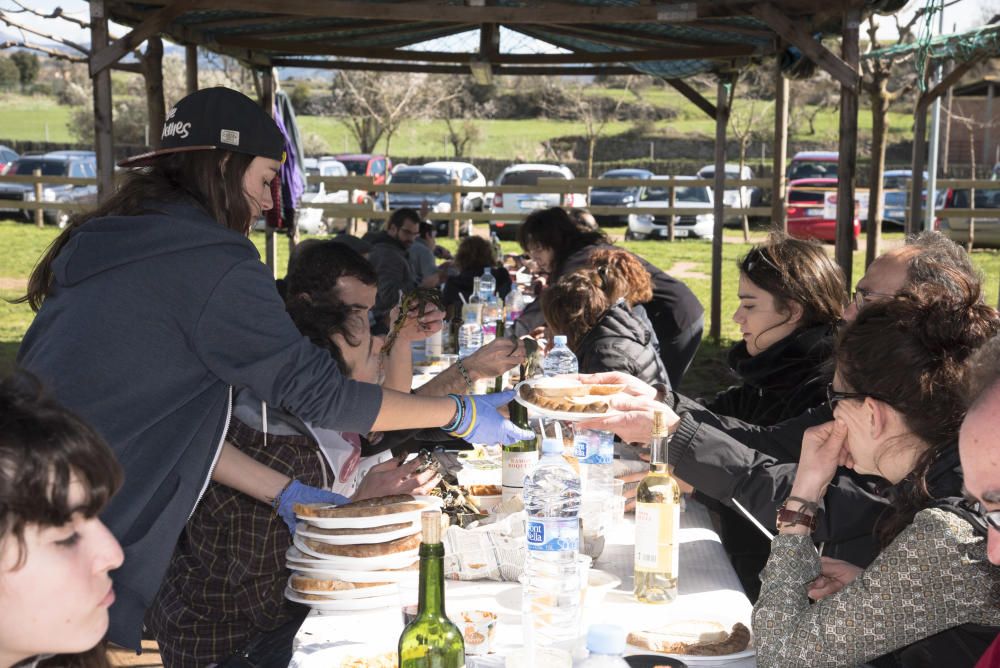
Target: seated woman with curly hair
[{"x": 604, "y": 334}]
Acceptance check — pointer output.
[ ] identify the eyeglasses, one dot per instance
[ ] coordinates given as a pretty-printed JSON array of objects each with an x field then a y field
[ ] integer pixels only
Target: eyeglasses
[
  {"x": 860, "y": 296},
  {"x": 992, "y": 518},
  {"x": 833, "y": 396}
]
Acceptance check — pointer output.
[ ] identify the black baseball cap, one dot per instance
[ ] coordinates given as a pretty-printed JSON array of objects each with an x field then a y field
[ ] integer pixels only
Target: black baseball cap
[{"x": 216, "y": 118}]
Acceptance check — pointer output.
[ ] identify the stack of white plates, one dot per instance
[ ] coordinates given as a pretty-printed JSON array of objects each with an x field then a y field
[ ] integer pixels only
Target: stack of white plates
[{"x": 354, "y": 563}]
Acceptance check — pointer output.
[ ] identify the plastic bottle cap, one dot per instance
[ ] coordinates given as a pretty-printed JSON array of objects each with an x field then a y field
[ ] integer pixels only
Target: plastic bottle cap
[
  {"x": 606, "y": 639},
  {"x": 552, "y": 446},
  {"x": 560, "y": 339}
]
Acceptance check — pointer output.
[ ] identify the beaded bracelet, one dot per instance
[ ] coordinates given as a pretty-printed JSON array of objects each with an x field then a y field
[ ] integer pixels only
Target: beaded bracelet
[
  {"x": 465, "y": 375},
  {"x": 472, "y": 423},
  {"x": 459, "y": 414}
]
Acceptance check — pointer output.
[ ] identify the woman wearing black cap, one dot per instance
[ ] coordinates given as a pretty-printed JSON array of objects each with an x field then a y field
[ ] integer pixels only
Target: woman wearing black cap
[{"x": 154, "y": 306}]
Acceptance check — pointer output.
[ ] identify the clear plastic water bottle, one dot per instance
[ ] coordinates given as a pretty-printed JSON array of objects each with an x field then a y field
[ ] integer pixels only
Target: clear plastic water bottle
[
  {"x": 560, "y": 359},
  {"x": 550, "y": 603},
  {"x": 606, "y": 644},
  {"x": 474, "y": 305},
  {"x": 595, "y": 451},
  {"x": 514, "y": 304},
  {"x": 470, "y": 336},
  {"x": 492, "y": 312},
  {"x": 487, "y": 284}
]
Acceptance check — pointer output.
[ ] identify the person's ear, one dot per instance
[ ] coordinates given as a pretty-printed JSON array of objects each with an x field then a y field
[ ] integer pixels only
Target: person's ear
[
  {"x": 878, "y": 417},
  {"x": 795, "y": 312}
]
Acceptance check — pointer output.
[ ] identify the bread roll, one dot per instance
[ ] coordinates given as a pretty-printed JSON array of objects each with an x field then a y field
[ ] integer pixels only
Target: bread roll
[
  {"x": 386, "y": 505},
  {"x": 364, "y": 551}
]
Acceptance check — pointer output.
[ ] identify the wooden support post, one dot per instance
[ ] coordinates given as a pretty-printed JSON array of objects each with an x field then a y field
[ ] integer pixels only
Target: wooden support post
[
  {"x": 721, "y": 121},
  {"x": 988, "y": 126},
  {"x": 39, "y": 197},
  {"x": 848, "y": 148},
  {"x": 101, "y": 79},
  {"x": 916, "y": 213},
  {"x": 780, "y": 152},
  {"x": 191, "y": 67},
  {"x": 152, "y": 65},
  {"x": 267, "y": 102}
]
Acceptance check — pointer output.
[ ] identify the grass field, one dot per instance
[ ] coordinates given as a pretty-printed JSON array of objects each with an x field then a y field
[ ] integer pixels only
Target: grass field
[
  {"x": 36, "y": 118},
  {"x": 688, "y": 259}
]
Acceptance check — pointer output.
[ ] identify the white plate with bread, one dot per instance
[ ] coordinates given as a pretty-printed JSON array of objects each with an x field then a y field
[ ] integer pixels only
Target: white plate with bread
[
  {"x": 369, "y": 513},
  {"x": 297, "y": 561},
  {"x": 368, "y": 536},
  {"x": 327, "y": 604},
  {"x": 696, "y": 641},
  {"x": 565, "y": 398},
  {"x": 394, "y": 554},
  {"x": 328, "y": 586}
]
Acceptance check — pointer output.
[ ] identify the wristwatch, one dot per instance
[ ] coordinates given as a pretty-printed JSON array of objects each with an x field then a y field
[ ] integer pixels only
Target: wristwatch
[{"x": 789, "y": 517}]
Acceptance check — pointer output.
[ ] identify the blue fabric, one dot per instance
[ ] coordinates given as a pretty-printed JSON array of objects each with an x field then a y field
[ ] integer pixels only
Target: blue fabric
[{"x": 150, "y": 319}]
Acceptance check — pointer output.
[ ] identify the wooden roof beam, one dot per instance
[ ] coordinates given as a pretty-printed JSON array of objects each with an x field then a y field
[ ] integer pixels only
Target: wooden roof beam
[
  {"x": 448, "y": 69},
  {"x": 278, "y": 32},
  {"x": 696, "y": 98},
  {"x": 423, "y": 10},
  {"x": 947, "y": 82},
  {"x": 153, "y": 25},
  {"x": 629, "y": 38},
  {"x": 812, "y": 49}
]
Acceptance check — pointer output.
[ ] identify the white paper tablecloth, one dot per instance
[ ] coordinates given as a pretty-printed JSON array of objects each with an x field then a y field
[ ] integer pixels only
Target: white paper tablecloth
[{"x": 709, "y": 589}]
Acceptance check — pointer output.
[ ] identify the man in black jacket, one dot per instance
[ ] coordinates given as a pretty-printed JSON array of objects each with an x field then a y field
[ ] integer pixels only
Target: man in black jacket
[
  {"x": 730, "y": 460},
  {"x": 390, "y": 257}
]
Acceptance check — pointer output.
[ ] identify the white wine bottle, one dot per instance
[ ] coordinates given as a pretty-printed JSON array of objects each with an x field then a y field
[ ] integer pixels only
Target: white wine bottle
[{"x": 657, "y": 524}]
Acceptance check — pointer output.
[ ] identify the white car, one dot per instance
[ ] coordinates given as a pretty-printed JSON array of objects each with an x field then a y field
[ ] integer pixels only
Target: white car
[
  {"x": 649, "y": 226},
  {"x": 528, "y": 175},
  {"x": 740, "y": 197},
  {"x": 316, "y": 221},
  {"x": 471, "y": 177}
]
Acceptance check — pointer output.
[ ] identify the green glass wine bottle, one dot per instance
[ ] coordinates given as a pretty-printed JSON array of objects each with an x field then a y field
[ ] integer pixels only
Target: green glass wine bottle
[
  {"x": 498, "y": 382},
  {"x": 431, "y": 640},
  {"x": 517, "y": 459}
]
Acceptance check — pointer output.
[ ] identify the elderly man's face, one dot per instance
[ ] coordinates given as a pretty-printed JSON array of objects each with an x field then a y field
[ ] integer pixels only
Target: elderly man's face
[{"x": 979, "y": 449}]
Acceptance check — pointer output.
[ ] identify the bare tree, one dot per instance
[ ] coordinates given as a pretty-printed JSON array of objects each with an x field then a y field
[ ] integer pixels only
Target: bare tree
[
  {"x": 373, "y": 104},
  {"x": 460, "y": 109},
  {"x": 149, "y": 64},
  {"x": 877, "y": 75},
  {"x": 807, "y": 99},
  {"x": 748, "y": 121},
  {"x": 594, "y": 111}
]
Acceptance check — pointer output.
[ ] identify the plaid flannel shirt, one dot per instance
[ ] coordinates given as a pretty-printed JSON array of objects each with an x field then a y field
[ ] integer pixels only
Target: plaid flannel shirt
[{"x": 227, "y": 576}]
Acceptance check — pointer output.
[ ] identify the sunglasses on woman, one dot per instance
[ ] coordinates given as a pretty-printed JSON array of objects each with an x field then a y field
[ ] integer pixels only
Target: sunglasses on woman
[
  {"x": 833, "y": 396},
  {"x": 991, "y": 517}
]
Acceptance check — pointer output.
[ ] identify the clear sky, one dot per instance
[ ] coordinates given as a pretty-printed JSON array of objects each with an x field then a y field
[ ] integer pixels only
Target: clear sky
[{"x": 964, "y": 14}]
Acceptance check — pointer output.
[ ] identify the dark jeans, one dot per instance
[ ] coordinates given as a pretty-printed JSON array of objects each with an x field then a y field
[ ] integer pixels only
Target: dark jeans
[
  {"x": 678, "y": 351},
  {"x": 270, "y": 649}
]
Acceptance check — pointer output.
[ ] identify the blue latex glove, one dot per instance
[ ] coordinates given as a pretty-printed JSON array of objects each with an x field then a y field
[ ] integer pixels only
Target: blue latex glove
[
  {"x": 296, "y": 492},
  {"x": 487, "y": 425}
]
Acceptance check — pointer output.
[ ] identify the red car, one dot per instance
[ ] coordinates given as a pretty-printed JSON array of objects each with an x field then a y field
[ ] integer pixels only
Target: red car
[{"x": 806, "y": 211}]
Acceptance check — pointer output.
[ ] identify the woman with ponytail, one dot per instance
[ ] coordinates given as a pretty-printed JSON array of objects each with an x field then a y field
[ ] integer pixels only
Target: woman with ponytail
[{"x": 897, "y": 403}]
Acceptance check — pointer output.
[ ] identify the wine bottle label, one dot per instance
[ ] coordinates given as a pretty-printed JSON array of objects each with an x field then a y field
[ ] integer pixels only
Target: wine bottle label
[
  {"x": 656, "y": 546},
  {"x": 516, "y": 465},
  {"x": 553, "y": 534}
]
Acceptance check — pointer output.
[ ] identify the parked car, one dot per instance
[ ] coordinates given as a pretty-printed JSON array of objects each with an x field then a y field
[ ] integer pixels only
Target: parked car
[
  {"x": 75, "y": 167},
  {"x": 813, "y": 165},
  {"x": 806, "y": 211},
  {"x": 378, "y": 167},
  {"x": 436, "y": 202},
  {"x": 7, "y": 158},
  {"x": 528, "y": 175},
  {"x": 471, "y": 177},
  {"x": 740, "y": 197},
  {"x": 650, "y": 226},
  {"x": 617, "y": 195},
  {"x": 317, "y": 221},
  {"x": 896, "y": 183},
  {"x": 987, "y": 229}
]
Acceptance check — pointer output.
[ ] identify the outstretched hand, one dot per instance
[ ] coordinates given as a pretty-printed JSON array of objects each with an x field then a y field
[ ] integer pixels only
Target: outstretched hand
[
  {"x": 394, "y": 477},
  {"x": 632, "y": 418}
]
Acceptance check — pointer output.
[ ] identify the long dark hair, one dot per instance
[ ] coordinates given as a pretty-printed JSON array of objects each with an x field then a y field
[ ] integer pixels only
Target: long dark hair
[
  {"x": 42, "y": 447},
  {"x": 799, "y": 272},
  {"x": 913, "y": 352},
  {"x": 310, "y": 299},
  {"x": 553, "y": 228},
  {"x": 211, "y": 179}
]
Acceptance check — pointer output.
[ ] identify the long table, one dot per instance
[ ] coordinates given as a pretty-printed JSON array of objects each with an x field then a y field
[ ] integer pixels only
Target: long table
[{"x": 709, "y": 590}]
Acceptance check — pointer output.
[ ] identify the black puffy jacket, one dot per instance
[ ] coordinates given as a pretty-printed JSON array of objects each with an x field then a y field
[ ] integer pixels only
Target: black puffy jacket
[{"x": 621, "y": 342}]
